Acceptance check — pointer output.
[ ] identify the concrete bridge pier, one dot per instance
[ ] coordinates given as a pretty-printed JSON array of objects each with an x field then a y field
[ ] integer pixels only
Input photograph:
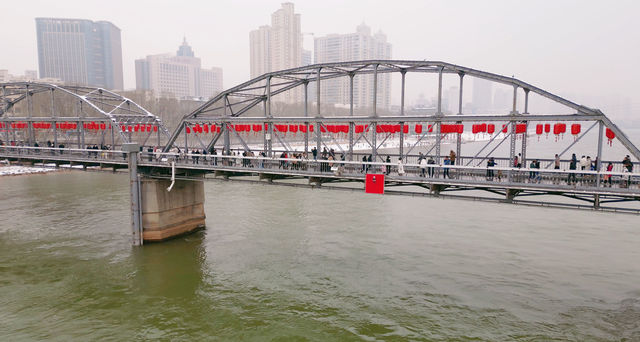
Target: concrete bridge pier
[{"x": 160, "y": 210}]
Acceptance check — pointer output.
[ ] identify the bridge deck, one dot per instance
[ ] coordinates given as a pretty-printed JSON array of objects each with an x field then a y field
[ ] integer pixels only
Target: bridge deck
[{"x": 507, "y": 183}]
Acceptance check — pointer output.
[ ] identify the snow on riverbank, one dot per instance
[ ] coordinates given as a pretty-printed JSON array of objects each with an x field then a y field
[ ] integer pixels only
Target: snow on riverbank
[{"x": 14, "y": 170}]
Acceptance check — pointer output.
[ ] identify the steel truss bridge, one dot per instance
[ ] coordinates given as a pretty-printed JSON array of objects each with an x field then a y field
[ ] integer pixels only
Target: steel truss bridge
[{"x": 208, "y": 143}]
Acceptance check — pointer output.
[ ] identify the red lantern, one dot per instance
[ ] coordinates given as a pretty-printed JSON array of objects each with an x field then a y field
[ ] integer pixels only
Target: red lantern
[
  {"x": 505, "y": 128},
  {"x": 539, "y": 129},
  {"x": 547, "y": 128},
  {"x": 491, "y": 128},
  {"x": 575, "y": 129},
  {"x": 521, "y": 128},
  {"x": 418, "y": 129},
  {"x": 405, "y": 129},
  {"x": 610, "y": 136}
]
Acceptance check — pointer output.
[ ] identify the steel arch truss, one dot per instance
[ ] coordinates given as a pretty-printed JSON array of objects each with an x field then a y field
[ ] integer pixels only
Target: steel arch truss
[
  {"x": 89, "y": 110},
  {"x": 231, "y": 105}
]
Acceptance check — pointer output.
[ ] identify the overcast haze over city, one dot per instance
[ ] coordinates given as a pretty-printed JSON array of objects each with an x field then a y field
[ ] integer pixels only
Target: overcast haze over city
[{"x": 586, "y": 50}]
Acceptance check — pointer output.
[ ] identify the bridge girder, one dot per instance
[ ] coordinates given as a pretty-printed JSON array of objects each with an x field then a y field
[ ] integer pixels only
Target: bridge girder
[{"x": 107, "y": 106}]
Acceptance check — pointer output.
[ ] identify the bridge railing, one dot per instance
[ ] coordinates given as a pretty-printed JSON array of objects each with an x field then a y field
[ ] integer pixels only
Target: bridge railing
[
  {"x": 62, "y": 154},
  {"x": 338, "y": 168},
  {"x": 411, "y": 171},
  {"x": 477, "y": 161}
]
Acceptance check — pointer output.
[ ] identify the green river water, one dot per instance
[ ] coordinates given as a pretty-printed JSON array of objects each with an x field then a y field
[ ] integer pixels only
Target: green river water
[{"x": 292, "y": 264}]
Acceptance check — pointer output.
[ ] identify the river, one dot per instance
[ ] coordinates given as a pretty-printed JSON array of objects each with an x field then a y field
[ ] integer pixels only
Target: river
[{"x": 294, "y": 264}]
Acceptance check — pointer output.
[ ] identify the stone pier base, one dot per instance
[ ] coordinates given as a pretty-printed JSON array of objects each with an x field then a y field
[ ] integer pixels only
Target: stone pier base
[{"x": 169, "y": 214}]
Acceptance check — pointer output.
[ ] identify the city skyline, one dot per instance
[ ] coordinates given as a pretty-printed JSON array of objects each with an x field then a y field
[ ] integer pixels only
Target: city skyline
[
  {"x": 179, "y": 75},
  {"x": 80, "y": 51},
  {"x": 498, "y": 36}
]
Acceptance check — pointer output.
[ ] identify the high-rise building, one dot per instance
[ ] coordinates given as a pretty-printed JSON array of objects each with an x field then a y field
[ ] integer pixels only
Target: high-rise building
[
  {"x": 260, "y": 51},
  {"x": 278, "y": 47},
  {"x": 361, "y": 45},
  {"x": 180, "y": 75},
  {"x": 307, "y": 57},
  {"x": 79, "y": 51}
]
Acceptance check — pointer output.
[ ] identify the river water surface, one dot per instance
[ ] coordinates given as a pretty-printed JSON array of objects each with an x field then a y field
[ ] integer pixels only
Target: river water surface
[{"x": 292, "y": 264}]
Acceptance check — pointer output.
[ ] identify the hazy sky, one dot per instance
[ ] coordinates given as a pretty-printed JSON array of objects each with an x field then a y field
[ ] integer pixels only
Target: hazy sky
[{"x": 583, "y": 48}]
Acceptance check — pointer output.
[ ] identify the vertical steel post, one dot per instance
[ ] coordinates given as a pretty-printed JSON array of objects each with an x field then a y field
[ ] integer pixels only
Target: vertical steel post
[
  {"x": 403, "y": 72},
  {"x": 351, "y": 124},
  {"x": 526, "y": 101},
  {"x": 270, "y": 124},
  {"x": 459, "y": 136},
  {"x": 351, "y": 76},
  {"x": 265, "y": 126},
  {"x": 80, "y": 131},
  {"x": 512, "y": 148},
  {"x": 113, "y": 136},
  {"x": 599, "y": 156},
  {"x": 306, "y": 114},
  {"x": 438, "y": 141},
  {"x": 186, "y": 142},
  {"x": 6, "y": 131},
  {"x": 524, "y": 144},
  {"x": 225, "y": 127},
  {"x": 53, "y": 115},
  {"x": 440, "y": 91},
  {"x": 318, "y": 123},
  {"x": 132, "y": 150},
  {"x": 460, "y": 96},
  {"x": 374, "y": 148},
  {"x": 515, "y": 100},
  {"x": 30, "y": 132}
]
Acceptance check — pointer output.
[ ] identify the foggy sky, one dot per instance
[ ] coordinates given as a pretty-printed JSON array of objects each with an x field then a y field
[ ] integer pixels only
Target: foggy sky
[{"x": 584, "y": 49}]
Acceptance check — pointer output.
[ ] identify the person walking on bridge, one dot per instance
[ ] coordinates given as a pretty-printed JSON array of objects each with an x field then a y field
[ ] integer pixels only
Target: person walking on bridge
[
  {"x": 400, "y": 167},
  {"x": 490, "y": 164},
  {"x": 423, "y": 166},
  {"x": 445, "y": 170},
  {"x": 572, "y": 168},
  {"x": 388, "y": 167}
]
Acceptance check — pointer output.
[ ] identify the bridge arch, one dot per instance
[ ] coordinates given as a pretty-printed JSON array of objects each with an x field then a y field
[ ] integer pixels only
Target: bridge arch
[
  {"x": 233, "y": 105},
  {"x": 79, "y": 115}
]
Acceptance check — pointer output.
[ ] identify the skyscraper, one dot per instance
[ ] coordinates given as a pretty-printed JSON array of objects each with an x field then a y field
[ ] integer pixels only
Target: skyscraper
[
  {"x": 361, "y": 45},
  {"x": 278, "y": 47},
  {"x": 180, "y": 75},
  {"x": 79, "y": 51}
]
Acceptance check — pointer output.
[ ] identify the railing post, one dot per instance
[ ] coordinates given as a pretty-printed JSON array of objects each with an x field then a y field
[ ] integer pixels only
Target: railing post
[{"x": 132, "y": 150}]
